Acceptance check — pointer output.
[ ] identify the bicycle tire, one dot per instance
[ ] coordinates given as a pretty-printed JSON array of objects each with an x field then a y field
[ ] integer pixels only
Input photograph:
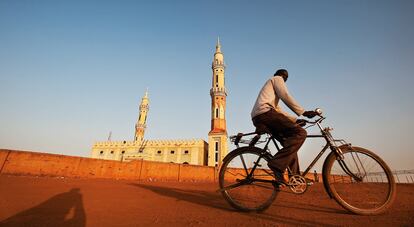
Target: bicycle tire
[
  {"x": 261, "y": 194},
  {"x": 362, "y": 194}
]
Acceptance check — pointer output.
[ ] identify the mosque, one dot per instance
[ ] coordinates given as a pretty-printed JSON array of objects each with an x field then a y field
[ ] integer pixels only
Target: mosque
[{"x": 188, "y": 151}]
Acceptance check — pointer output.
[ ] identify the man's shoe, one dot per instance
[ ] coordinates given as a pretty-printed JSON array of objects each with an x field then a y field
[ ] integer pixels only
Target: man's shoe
[{"x": 279, "y": 176}]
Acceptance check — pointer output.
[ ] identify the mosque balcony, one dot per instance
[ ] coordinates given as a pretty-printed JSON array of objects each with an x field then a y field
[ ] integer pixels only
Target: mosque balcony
[
  {"x": 141, "y": 126},
  {"x": 218, "y": 65},
  {"x": 144, "y": 107},
  {"x": 218, "y": 91}
]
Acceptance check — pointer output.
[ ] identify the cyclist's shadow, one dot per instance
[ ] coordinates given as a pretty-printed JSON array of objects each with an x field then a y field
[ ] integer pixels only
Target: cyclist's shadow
[
  {"x": 215, "y": 200},
  {"x": 203, "y": 198},
  {"x": 65, "y": 209}
]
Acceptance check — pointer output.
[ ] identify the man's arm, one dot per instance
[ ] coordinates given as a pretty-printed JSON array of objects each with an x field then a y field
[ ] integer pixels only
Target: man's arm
[
  {"x": 280, "y": 110},
  {"x": 283, "y": 93}
]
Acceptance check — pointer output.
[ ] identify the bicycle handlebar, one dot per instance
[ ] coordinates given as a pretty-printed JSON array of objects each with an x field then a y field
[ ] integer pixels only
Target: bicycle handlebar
[
  {"x": 319, "y": 120},
  {"x": 237, "y": 138}
]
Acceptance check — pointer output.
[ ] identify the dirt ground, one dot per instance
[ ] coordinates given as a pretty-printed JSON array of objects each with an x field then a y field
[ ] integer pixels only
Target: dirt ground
[{"x": 42, "y": 201}]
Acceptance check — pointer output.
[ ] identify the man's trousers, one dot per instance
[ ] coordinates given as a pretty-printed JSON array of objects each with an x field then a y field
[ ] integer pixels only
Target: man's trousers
[{"x": 290, "y": 135}]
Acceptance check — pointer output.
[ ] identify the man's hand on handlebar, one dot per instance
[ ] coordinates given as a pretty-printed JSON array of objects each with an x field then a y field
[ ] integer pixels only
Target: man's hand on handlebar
[
  {"x": 310, "y": 114},
  {"x": 301, "y": 122}
]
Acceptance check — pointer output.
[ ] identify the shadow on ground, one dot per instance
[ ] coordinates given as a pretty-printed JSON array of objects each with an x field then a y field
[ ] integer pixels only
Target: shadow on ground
[
  {"x": 215, "y": 200},
  {"x": 204, "y": 198},
  {"x": 65, "y": 209}
]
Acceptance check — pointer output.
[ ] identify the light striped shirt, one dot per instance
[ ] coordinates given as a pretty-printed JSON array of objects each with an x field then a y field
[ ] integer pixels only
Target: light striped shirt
[{"x": 274, "y": 90}]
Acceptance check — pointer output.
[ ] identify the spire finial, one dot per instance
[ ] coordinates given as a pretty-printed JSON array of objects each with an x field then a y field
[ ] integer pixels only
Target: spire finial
[
  {"x": 218, "y": 46},
  {"x": 146, "y": 93}
]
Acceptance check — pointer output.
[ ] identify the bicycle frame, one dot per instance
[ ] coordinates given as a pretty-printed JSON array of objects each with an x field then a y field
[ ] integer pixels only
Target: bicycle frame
[
  {"x": 325, "y": 133},
  {"x": 327, "y": 145}
]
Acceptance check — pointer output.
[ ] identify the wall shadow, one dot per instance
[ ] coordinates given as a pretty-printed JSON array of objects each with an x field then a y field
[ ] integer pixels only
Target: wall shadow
[
  {"x": 62, "y": 210},
  {"x": 215, "y": 200}
]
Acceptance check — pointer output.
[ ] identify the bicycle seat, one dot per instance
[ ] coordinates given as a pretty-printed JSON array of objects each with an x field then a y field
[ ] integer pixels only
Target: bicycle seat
[{"x": 262, "y": 129}]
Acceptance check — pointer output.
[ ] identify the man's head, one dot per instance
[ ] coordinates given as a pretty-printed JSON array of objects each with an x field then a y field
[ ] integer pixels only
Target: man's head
[{"x": 282, "y": 73}]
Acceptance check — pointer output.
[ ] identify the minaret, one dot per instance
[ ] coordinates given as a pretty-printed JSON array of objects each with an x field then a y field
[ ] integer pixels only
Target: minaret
[
  {"x": 217, "y": 137},
  {"x": 141, "y": 123}
]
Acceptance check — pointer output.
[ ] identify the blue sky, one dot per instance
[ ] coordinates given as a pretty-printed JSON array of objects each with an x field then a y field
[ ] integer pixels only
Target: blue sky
[{"x": 72, "y": 71}]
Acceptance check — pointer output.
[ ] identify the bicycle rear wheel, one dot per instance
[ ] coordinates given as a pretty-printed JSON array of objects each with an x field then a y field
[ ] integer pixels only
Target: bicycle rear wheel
[
  {"x": 246, "y": 181},
  {"x": 361, "y": 182}
]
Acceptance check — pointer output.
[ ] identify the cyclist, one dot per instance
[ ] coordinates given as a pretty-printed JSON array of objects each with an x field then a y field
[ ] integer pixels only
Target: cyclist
[{"x": 284, "y": 127}]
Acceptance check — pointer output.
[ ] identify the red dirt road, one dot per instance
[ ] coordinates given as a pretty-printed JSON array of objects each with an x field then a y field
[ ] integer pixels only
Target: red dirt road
[{"x": 36, "y": 201}]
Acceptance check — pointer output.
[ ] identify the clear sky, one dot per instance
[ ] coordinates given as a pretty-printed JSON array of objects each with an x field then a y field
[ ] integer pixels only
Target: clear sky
[{"x": 72, "y": 71}]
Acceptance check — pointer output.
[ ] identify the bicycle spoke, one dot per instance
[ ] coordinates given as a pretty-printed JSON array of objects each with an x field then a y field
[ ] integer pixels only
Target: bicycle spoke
[
  {"x": 356, "y": 163},
  {"x": 229, "y": 187},
  {"x": 362, "y": 166},
  {"x": 237, "y": 174},
  {"x": 263, "y": 175},
  {"x": 268, "y": 172},
  {"x": 268, "y": 186},
  {"x": 244, "y": 164}
]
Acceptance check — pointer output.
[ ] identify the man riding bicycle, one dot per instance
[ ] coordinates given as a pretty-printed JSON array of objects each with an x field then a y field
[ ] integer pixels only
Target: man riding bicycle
[
  {"x": 347, "y": 171},
  {"x": 268, "y": 115}
]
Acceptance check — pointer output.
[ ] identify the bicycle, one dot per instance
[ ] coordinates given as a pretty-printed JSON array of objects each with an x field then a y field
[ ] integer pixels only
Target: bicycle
[{"x": 248, "y": 184}]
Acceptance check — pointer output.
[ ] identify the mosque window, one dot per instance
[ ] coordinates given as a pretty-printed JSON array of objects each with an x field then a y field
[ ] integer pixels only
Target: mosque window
[
  {"x": 123, "y": 152},
  {"x": 158, "y": 152},
  {"x": 172, "y": 152},
  {"x": 112, "y": 152},
  {"x": 186, "y": 152},
  {"x": 216, "y": 78},
  {"x": 217, "y": 146},
  {"x": 101, "y": 153},
  {"x": 217, "y": 113},
  {"x": 216, "y": 156},
  {"x": 140, "y": 151}
]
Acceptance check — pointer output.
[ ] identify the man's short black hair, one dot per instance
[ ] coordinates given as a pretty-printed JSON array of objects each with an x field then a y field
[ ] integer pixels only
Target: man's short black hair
[{"x": 283, "y": 73}]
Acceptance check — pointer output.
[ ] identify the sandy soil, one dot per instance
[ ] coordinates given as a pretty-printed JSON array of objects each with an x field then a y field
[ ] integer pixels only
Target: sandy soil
[{"x": 35, "y": 201}]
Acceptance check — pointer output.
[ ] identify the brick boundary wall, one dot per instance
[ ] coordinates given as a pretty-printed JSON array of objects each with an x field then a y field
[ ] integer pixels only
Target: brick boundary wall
[{"x": 13, "y": 162}]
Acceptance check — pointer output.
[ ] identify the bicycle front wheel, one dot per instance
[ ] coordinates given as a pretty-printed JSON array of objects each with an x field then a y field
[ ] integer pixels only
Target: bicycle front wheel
[
  {"x": 245, "y": 180},
  {"x": 361, "y": 182}
]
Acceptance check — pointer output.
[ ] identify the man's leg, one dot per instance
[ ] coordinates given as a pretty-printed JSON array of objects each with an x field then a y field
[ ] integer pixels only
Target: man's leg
[
  {"x": 293, "y": 138},
  {"x": 287, "y": 156},
  {"x": 294, "y": 165}
]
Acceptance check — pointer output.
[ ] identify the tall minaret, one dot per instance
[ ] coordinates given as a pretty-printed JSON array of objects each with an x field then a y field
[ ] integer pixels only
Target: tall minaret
[
  {"x": 217, "y": 137},
  {"x": 141, "y": 123}
]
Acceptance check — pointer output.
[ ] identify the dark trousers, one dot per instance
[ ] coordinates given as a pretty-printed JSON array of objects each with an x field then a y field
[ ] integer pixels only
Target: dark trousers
[{"x": 290, "y": 135}]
